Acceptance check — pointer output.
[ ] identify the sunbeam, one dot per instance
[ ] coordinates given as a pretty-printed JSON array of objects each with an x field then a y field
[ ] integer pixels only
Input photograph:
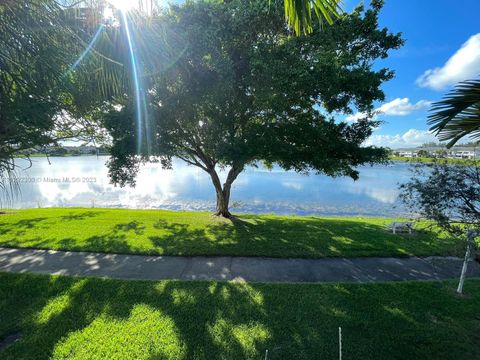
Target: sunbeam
[
  {"x": 123, "y": 5},
  {"x": 101, "y": 28},
  {"x": 139, "y": 96}
]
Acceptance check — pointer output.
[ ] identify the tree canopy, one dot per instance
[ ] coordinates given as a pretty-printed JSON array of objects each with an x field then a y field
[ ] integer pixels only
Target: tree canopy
[{"x": 233, "y": 88}]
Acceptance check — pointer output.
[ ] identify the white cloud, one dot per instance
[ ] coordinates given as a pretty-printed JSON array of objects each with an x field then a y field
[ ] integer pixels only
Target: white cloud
[
  {"x": 292, "y": 185},
  {"x": 411, "y": 138},
  {"x": 463, "y": 65},
  {"x": 402, "y": 107},
  {"x": 357, "y": 116},
  {"x": 396, "y": 107}
]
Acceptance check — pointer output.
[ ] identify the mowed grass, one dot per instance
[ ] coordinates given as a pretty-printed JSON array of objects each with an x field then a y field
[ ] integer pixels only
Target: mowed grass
[
  {"x": 88, "y": 318},
  {"x": 196, "y": 233}
]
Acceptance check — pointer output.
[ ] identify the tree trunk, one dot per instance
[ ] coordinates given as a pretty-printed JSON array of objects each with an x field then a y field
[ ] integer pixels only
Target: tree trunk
[
  {"x": 223, "y": 199},
  {"x": 464, "y": 270},
  {"x": 223, "y": 192},
  {"x": 471, "y": 234}
]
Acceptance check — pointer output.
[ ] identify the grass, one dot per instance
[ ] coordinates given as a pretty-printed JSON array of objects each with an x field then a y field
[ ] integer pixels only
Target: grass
[
  {"x": 431, "y": 160},
  {"x": 87, "y": 318},
  {"x": 196, "y": 233}
]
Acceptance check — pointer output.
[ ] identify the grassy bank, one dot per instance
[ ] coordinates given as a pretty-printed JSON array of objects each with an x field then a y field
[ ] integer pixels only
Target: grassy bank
[
  {"x": 196, "y": 233},
  {"x": 430, "y": 160},
  {"x": 76, "y": 318}
]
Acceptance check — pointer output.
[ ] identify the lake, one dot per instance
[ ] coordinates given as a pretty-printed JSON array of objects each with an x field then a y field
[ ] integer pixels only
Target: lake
[{"x": 83, "y": 181}]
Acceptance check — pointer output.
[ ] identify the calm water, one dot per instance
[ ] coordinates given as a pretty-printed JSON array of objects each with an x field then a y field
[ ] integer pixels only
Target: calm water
[{"x": 83, "y": 181}]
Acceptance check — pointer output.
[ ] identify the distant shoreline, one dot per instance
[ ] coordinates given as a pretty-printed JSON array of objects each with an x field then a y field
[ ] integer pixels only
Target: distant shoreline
[
  {"x": 393, "y": 158},
  {"x": 432, "y": 160},
  {"x": 22, "y": 156}
]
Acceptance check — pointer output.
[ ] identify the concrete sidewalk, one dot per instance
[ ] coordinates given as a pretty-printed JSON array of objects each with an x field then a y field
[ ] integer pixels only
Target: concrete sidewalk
[{"x": 232, "y": 268}]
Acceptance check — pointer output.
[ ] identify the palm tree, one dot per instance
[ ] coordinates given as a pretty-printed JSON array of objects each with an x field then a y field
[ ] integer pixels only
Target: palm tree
[
  {"x": 300, "y": 13},
  {"x": 458, "y": 113},
  {"x": 38, "y": 45}
]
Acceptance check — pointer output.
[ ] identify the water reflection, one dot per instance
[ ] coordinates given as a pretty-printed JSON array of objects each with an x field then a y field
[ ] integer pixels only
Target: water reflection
[{"x": 83, "y": 181}]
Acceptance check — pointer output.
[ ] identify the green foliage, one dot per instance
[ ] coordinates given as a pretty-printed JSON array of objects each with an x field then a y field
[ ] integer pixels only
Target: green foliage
[
  {"x": 32, "y": 64},
  {"x": 458, "y": 114},
  {"x": 43, "y": 99},
  {"x": 79, "y": 318},
  {"x": 447, "y": 194},
  {"x": 423, "y": 153},
  {"x": 441, "y": 153},
  {"x": 239, "y": 89},
  {"x": 195, "y": 233},
  {"x": 299, "y": 13}
]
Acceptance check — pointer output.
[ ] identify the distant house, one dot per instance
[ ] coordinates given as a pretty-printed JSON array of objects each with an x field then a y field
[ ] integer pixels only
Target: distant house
[
  {"x": 407, "y": 152},
  {"x": 80, "y": 150},
  {"x": 464, "y": 153},
  {"x": 457, "y": 152},
  {"x": 87, "y": 150}
]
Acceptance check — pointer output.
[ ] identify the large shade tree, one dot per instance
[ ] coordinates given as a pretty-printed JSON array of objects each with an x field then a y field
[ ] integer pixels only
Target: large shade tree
[
  {"x": 51, "y": 77},
  {"x": 237, "y": 89},
  {"x": 41, "y": 39}
]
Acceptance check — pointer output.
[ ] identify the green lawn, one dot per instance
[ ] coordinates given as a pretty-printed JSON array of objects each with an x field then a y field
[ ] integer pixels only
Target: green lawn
[
  {"x": 88, "y": 318},
  {"x": 195, "y": 233}
]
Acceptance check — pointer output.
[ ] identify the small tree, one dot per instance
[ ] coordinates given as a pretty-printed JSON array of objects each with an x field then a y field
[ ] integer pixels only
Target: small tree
[
  {"x": 423, "y": 153},
  {"x": 240, "y": 89},
  {"x": 58, "y": 151},
  {"x": 450, "y": 196},
  {"x": 441, "y": 153}
]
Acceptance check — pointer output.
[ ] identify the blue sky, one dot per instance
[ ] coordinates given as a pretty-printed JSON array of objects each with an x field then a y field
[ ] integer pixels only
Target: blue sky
[{"x": 442, "y": 47}]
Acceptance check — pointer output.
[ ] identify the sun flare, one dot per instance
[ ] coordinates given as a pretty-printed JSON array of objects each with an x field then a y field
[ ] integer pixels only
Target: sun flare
[{"x": 123, "y": 5}]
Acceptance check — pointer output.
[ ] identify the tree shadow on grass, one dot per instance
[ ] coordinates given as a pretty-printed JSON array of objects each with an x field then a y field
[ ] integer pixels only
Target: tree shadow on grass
[
  {"x": 245, "y": 235},
  {"x": 312, "y": 237},
  {"x": 135, "y": 226},
  {"x": 114, "y": 241},
  {"x": 109, "y": 243},
  {"x": 25, "y": 226},
  {"x": 206, "y": 320},
  {"x": 20, "y": 227},
  {"x": 80, "y": 215}
]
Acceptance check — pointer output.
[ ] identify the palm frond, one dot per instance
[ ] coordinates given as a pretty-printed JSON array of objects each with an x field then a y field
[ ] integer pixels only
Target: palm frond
[
  {"x": 299, "y": 13},
  {"x": 457, "y": 114}
]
